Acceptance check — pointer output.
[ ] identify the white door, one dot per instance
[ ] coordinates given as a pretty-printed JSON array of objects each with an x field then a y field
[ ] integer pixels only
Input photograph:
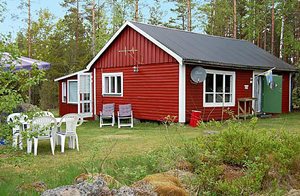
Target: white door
[
  {"x": 85, "y": 94},
  {"x": 257, "y": 91}
]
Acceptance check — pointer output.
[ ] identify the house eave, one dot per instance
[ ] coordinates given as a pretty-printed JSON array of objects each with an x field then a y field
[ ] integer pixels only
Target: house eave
[
  {"x": 69, "y": 75},
  {"x": 233, "y": 66}
]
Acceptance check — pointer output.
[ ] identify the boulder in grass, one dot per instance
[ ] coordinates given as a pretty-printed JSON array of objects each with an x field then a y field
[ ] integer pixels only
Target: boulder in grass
[
  {"x": 123, "y": 191},
  {"x": 293, "y": 192},
  {"x": 110, "y": 181},
  {"x": 96, "y": 187}
]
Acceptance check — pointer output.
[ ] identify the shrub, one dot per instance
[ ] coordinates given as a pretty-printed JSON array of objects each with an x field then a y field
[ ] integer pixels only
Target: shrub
[{"x": 265, "y": 157}]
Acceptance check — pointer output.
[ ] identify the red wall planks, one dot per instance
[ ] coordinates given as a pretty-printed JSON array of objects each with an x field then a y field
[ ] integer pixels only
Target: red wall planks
[
  {"x": 285, "y": 92},
  {"x": 65, "y": 108},
  {"x": 145, "y": 52},
  {"x": 152, "y": 93},
  {"x": 194, "y": 95}
]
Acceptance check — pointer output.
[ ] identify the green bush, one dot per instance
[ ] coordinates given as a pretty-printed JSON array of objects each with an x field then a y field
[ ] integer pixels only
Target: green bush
[{"x": 264, "y": 157}]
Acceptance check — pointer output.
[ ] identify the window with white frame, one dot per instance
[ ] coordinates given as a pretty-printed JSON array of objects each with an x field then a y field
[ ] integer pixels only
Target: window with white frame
[
  {"x": 112, "y": 84},
  {"x": 64, "y": 92},
  {"x": 72, "y": 91},
  {"x": 219, "y": 89}
]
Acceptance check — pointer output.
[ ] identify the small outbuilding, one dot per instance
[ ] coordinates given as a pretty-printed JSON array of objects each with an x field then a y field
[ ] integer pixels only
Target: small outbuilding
[{"x": 150, "y": 67}]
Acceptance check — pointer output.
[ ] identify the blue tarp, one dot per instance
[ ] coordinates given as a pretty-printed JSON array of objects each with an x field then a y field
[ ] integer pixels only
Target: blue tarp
[{"x": 22, "y": 62}]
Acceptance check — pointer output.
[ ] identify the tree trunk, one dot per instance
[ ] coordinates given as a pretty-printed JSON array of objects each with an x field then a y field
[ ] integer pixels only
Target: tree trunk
[
  {"x": 29, "y": 44},
  {"x": 94, "y": 30},
  {"x": 272, "y": 31},
  {"x": 136, "y": 16},
  {"x": 77, "y": 21},
  {"x": 29, "y": 29},
  {"x": 189, "y": 9},
  {"x": 213, "y": 2},
  {"x": 265, "y": 39},
  {"x": 234, "y": 19},
  {"x": 281, "y": 35}
]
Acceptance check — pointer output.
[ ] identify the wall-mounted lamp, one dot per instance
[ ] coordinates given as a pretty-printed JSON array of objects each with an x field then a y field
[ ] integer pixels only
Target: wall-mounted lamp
[{"x": 136, "y": 69}]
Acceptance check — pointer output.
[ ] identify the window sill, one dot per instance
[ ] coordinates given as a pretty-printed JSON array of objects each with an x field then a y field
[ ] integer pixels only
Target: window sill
[
  {"x": 72, "y": 103},
  {"x": 206, "y": 105},
  {"x": 112, "y": 95}
]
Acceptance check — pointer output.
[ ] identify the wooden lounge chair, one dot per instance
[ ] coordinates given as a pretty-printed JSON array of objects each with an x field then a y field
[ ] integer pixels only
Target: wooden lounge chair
[
  {"x": 107, "y": 113},
  {"x": 125, "y": 114}
]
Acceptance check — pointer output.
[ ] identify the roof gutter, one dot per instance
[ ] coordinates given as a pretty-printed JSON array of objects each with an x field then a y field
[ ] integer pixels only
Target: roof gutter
[{"x": 233, "y": 66}]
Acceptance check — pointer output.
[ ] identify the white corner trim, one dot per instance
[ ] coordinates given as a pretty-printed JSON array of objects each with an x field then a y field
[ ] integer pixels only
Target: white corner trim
[
  {"x": 95, "y": 101},
  {"x": 182, "y": 93},
  {"x": 290, "y": 92}
]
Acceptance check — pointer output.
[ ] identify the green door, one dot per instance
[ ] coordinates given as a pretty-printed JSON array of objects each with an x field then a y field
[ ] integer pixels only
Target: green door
[{"x": 272, "y": 98}]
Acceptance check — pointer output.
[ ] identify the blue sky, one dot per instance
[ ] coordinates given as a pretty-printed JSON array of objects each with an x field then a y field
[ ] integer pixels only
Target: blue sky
[{"x": 13, "y": 24}]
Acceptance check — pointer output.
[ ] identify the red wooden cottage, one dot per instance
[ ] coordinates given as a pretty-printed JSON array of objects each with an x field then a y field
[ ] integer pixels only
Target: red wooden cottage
[{"x": 150, "y": 66}]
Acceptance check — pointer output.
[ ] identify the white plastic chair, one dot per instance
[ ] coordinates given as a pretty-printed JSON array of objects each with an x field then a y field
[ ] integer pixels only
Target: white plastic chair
[
  {"x": 72, "y": 121},
  {"x": 45, "y": 128},
  {"x": 108, "y": 112},
  {"x": 18, "y": 119},
  {"x": 125, "y": 114}
]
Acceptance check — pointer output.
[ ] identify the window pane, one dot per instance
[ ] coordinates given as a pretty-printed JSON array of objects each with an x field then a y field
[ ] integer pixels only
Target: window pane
[
  {"x": 209, "y": 83},
  {"x": 86, "y": 107},
  {"x": 64, "y": 92},
  {"x": 228, "y": 98},
  {"x": 119, "y": 85},
  {"x": 219, "y": 98},
  {"x": 73, "y": 96},
  {"x": 86, "y": 96},
  {"x": 112, "y": 84},
  {"x": 228, "y": 83},
  {"x": 106, "y": 84},
  {"x": 209, "y": 98},
  {"x": 219, "y": 83}
]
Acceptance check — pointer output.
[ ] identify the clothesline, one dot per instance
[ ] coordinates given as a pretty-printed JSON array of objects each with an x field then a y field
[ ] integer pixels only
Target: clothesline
[{"x": 264, "y": 73}]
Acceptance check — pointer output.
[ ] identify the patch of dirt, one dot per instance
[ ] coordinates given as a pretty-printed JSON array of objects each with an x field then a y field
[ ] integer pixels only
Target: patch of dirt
[
  {"x": 231, "y": 172},
  {"x": 4, "y": 156},
  {"x": 35, "y": 186},
  {"x": 294, "y": 177},
  {"x": 117, "y": 136},
  {"x": 185, "y": 166}
]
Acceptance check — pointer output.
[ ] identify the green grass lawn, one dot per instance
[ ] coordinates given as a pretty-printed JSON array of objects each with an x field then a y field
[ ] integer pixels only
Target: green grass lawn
[{"x": 18, "y": 168}]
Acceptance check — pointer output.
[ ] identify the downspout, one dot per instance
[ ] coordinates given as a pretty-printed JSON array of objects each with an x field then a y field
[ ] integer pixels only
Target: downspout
[{"x": 182, "y": 92}]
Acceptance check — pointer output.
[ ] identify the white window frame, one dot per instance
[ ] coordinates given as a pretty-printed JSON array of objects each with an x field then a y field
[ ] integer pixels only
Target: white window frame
[
  {"x": 68, "y": 92},
  {"x": 64, "y": 92},
  {"x": 115, "y": 74},
  {"x": 214, "y": 104}
]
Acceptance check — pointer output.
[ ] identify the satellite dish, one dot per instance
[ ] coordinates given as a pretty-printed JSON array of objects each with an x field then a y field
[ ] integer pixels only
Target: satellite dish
[{"x": 198, "y": 74}]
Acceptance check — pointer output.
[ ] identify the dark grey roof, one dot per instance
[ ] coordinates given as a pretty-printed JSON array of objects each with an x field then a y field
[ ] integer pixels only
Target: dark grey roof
[{"x": 195, "y": 47}]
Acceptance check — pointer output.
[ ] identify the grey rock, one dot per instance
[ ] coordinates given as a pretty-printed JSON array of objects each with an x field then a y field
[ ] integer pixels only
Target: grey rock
[
  {"x": 96, "y": 187},
  {"x": 293, "y": 192},
  {"x": 123, "y": 191}
]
